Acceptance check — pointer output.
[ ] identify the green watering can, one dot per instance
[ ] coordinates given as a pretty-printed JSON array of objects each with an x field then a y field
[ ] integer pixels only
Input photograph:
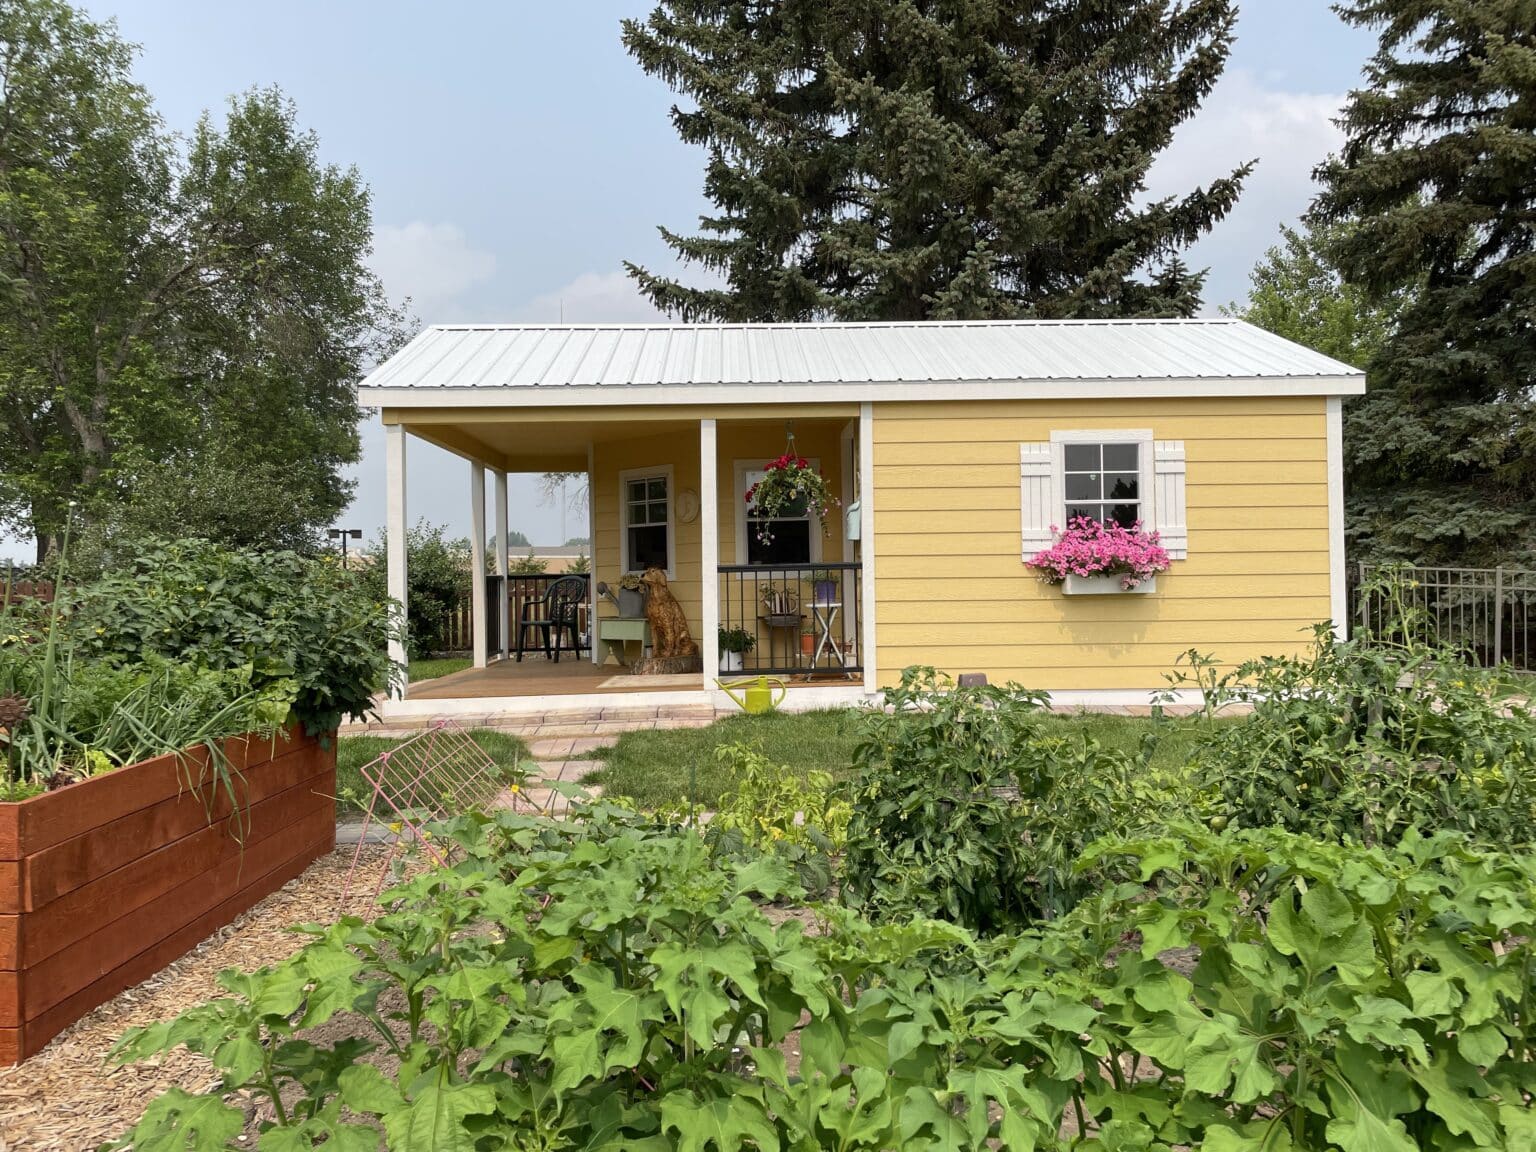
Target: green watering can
[{"x": 756, "y": 695}]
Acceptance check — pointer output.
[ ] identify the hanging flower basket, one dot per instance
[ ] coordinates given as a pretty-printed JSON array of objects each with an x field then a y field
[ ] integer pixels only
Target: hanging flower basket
[
  {"x": 790, "y": 488},
  {"x": 1090, "y": 558}
]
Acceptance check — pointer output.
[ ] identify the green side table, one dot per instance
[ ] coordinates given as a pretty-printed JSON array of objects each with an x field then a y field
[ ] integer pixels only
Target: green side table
[{"x": 615, "y": 633}]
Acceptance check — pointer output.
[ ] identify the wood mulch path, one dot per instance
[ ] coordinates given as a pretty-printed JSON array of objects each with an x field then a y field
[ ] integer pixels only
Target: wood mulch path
[{"x": 68, "y": 1098}]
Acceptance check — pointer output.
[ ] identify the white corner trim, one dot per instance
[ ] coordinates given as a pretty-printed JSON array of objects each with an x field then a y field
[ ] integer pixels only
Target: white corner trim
[
  {"x": 869, "y": 654},
  {"x": 645, "y": 474},
  {"x": 1337, "y": 587},
  {"x": 709, "y": 545}
]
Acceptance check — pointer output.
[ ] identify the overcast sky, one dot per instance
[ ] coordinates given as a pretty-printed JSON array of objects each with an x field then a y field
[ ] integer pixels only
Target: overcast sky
[{"x": 517, "y": 156}]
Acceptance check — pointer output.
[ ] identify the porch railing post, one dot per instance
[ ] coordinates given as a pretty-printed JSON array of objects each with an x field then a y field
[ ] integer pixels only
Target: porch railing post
[{"x": 1498, "y": 616}]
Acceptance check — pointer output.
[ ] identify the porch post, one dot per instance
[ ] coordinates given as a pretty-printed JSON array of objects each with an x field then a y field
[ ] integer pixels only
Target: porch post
[
  {"x": 394, "y": 535},
  {"x": 868, "y": 656},
  {"x": 592, "y": 552},
  {"x": 709, "y": 521},
  {"x": 503, "y": 568},
  {"x": 477, "y": 589}
]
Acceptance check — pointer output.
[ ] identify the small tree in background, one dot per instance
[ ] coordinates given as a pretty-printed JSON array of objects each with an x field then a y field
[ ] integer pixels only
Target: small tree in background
[
  {"x": 438, "y": 582},
  {"x": 1296, "y": 292},
  {"x": 529, "y": 565}
]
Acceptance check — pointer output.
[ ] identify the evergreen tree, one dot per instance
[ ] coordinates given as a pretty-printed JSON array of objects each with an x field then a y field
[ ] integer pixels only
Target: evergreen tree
[
  {"x": 910, "y": 159},
  {"x": 1438, "y": 176}
]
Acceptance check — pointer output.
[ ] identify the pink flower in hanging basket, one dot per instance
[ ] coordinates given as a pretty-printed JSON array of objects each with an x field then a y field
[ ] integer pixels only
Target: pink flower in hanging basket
[
  {"x": 1089, "y": 548},
  {"x": 789, "y": 488}
]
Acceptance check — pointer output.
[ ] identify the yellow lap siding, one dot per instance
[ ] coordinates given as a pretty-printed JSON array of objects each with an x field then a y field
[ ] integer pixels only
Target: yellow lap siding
[{"x": 952, "y": 589}]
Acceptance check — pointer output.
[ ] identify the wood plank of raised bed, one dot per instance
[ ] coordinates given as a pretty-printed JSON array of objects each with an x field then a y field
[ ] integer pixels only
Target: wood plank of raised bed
[
  {"x": 43, "y": 1028},
  {"x": 32, "y": 825},
  {"x": 48, "y": 874},
  {"x": 10, "y": 886},
  {"x": 83, "y": 910},
  {"x": 59, "y": 976}
]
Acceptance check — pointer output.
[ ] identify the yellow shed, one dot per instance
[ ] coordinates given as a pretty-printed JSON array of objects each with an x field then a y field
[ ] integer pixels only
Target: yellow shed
[{"x": 949, "y": 454}]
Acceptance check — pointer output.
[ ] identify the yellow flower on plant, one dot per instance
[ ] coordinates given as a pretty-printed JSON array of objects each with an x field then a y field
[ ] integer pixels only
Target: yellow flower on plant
[
  {"x": 515, "y": 789},
  {"x": 396, "y": 827}
]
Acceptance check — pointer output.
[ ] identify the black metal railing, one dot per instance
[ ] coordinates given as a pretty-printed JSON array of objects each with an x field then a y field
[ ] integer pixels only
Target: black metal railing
[
  {"x": 800, "y": 619},
  {"x": 1490, "y": 613}
]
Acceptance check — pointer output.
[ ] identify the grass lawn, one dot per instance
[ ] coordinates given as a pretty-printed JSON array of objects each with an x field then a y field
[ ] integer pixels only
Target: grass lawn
[
  {"x": 432, "y": 669},
  {"x": 352, "y": 752},
  {"x": 654, "y": 767}
]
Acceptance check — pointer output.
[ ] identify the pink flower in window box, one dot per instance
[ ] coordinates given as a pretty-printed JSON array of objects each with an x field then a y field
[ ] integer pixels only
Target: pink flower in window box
[{"x": 1088, "y": 548}]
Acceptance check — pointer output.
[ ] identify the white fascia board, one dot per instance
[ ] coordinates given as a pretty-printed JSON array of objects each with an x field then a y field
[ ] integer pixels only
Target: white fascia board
[{"x": 587, "y": 396}]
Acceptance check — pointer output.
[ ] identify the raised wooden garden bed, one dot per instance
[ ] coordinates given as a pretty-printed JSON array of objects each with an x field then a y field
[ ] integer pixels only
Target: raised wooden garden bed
[{"x": 105, "y": 882}]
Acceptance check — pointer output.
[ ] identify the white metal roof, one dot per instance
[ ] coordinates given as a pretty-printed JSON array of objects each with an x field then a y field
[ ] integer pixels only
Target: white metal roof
[{"x": 480, "y": 364}]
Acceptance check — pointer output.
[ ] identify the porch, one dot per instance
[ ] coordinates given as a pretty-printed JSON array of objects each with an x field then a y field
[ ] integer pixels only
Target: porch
[{"x": 666, "y": 489}]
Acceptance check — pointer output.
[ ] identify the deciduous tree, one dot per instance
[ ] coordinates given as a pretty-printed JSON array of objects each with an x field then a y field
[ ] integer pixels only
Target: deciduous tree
[{"x": 204, "y": 302}]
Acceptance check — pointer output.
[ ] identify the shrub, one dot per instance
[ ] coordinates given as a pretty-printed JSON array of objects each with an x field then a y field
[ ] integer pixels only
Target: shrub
[
  {"x": 438, "y": 575},
  {"x": 1365, "y": 739},
  {"x": 970, "y": 807},
  {"x": 289, "y": 619}
]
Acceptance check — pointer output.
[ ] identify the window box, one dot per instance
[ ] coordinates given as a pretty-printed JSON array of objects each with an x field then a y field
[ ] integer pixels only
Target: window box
[{"x": 1075, "y": 585}]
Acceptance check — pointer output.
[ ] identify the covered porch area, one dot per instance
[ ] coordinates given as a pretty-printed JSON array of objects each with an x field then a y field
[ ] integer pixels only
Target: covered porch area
[{"x": 665, "y": 489}]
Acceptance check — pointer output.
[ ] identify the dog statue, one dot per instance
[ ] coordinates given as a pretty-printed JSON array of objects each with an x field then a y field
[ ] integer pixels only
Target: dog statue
[{"x": 669, "y": 627}]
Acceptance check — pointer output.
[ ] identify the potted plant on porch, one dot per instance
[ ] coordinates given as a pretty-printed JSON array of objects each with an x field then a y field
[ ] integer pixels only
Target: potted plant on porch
[
  {"x": 823, "y": 586},
  {"x": 1091, "y": 559},
  {"x": 734, "y": 644}
]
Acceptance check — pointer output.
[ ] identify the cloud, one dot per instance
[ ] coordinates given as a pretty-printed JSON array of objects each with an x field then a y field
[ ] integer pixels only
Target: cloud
[
  {"x": 1243, "y": 118},
  {"x": 433, "y": 265},
  {"x": 597, "y": 297}
]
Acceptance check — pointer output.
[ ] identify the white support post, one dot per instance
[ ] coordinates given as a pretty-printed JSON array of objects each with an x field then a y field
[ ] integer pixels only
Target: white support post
[
  {"x": 394, "y": 533},
  {"x": 1338, "y": 588},
  {"x": 592, "y": 551},
  {"x": 503, "y": 566},
  {"x": 709, "y": 524},
  {"x": 477, "y": 589},
  {"x": 868, "y": 654}
]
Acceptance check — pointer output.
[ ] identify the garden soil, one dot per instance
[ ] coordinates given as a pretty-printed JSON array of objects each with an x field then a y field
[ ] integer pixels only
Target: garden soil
[{"x": 68, "y": 1098}]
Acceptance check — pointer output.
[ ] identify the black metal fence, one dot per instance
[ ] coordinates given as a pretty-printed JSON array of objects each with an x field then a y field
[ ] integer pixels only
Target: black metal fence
[
  {"x": 796, "y": 619},
  {"x": 1490, "y": 613}
]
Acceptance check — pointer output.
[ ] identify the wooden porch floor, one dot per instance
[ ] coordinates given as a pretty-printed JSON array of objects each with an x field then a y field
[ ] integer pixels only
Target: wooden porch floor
[{"x": 570, "y": 677}]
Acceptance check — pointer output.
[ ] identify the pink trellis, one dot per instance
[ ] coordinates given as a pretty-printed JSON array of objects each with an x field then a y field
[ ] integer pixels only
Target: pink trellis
[{"x": 438, "y": 773}]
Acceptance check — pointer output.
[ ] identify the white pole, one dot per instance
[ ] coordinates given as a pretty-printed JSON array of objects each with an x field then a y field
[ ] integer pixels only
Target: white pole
[
  {"x": 592, "y": 550},
  {"x": 709, "y": 522},
  {"x": 503, "y": 564},
  {"x": 394, "y": 533},
  {"x": 477, "y": 587}
]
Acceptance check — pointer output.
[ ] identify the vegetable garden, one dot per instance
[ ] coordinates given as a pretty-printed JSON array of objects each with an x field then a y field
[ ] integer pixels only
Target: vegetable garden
[{"x": 1316, "y": 933}]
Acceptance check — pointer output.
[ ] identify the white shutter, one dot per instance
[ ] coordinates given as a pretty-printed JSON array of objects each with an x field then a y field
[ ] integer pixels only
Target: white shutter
[
  {"x": 1035, "y": 501},
  {"x": 1169, "y": 499}
]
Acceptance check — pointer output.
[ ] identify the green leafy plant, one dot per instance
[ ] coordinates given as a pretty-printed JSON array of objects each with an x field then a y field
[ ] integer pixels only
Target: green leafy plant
[
  {"x": 937, "y": 826},
  {"x": 290, "y": 620},
  {"x": 736, "y": 640},
  {"x": 801, "y": 819},
  {"x": 1368, "y": 738},
  {"x": 438, "y": 574}
]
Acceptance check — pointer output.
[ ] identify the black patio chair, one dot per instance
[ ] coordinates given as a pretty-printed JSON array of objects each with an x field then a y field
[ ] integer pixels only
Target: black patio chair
[{"x": 559, "y": 617}]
